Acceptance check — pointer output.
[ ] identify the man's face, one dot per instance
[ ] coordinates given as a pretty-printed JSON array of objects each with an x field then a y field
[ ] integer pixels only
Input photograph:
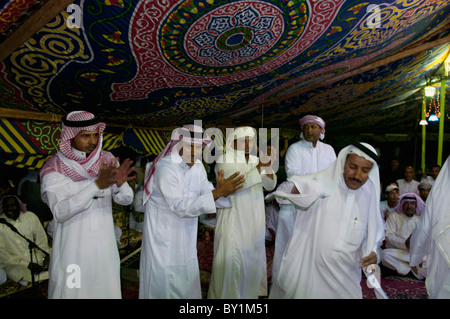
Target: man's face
[
  {"x": 424, "y": 193},
  {"x": 356, "y": 171},
  {"x": 392, "y": 196},
  {"x": 394, "y": 165},
  {"x": 311, "y": 132},
  {"x": 244, "y": 144},
  {"x": 409, "y": 174},
  {"x": 86, "y": 141},
  {"x": 190, "y": 152},
  {"x": 435, "y": 171},
  {"x": 11, "y": 207},
  {"x": 409, "y": 208}
]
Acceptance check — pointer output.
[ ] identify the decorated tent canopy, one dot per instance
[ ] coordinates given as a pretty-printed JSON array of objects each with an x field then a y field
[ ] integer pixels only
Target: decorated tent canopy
[
  {"x": 150, "y": 66},
  {"x": 30, "y": 143}
]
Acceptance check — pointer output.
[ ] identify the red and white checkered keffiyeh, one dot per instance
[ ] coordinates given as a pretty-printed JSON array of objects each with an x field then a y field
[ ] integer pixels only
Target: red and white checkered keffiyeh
[
  {"x": 65, "y": 161},
  {"x": 188, "y": 133}
]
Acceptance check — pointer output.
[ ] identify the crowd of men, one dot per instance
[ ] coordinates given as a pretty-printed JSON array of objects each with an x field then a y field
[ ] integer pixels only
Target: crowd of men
[{"x": 331, "y": 223}]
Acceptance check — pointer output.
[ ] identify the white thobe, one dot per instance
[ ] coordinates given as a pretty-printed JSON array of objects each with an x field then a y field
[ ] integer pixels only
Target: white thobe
[
  {"x": 271, "y": 220},
  {"x": 428, "y": 179},
  {"x": 85, "y": 260},
  {"x": 169, "y": 265},
  {"x": 322, "y": 259},
  {"x": 302, "y": 158},
  {"x": 405, "y": 187},
  {"x": 398, "y": 229},
  {"x": 14, "y": 251},
  {"x": 239, "y": 265},
  {"x": 431, "y": 237},
  {"x": 383, "y": 206}
]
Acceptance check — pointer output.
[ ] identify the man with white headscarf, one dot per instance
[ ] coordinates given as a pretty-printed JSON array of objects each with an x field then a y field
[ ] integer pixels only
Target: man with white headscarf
[
  {"x": 177, "y": 191},
  {"x": 338, "y": 229},
  {"x": 78, "y": 184},
  {"x": 399, "y": 226},
  {"x": 239, "y": 263},
  {"x": 307, "y": 156},
  {"x": 431, "y": 237}
]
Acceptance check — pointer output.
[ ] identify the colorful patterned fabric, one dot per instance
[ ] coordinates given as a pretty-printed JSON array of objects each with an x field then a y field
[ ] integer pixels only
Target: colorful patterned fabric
[
  {"x": 161, "y": 64},
  {"x": 29, "y": 144},
  {"x": 11, "y": 12}
]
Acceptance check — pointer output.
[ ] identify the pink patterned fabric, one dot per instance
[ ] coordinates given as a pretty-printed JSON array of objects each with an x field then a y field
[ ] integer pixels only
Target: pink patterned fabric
[
  {"x": 66, "y": 162},
  {"x": 313, "y": 119},
  {"x": 410, "y": 197}
]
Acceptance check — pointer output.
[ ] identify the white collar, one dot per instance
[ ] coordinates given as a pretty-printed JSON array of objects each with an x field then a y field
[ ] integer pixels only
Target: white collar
[
  {"x": 309, "y": 144},
  {"x": 79, "y": 153},
  {"x": 175, "y": 156}
]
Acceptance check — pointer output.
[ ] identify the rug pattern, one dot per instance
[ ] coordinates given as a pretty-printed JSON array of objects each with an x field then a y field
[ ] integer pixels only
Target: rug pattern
[{"x": 396, "y": 287}]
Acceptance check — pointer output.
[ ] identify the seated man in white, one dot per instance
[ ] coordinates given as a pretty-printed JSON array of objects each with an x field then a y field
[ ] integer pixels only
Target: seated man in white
[{"x": 399, "y": 227}]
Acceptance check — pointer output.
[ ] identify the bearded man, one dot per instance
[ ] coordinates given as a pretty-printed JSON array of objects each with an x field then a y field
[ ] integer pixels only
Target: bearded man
[{"x": 79, "y": 184}]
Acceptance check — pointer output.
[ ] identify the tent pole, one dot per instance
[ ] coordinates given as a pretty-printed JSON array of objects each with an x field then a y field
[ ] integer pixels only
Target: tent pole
[
  {"x": 424, "y": 134},
  {"x": 441, "y": 123}
]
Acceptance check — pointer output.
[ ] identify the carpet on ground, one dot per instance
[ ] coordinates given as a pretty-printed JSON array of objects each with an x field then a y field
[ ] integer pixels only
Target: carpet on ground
[{"x": 396, "y": 287}]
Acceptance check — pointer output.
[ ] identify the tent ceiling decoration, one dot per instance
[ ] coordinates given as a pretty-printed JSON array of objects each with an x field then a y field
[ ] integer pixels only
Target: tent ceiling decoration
[
  {"x": 361, "y": 65},
  {"x": 30, "y": 143}
]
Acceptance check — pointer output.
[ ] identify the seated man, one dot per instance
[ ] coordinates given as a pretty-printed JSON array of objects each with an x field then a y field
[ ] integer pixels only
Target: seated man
[
  {"x": 408, "y": 184},
  {"x": 424, "y": 190},
  {"x": 399, "y": 227},
  {"x": 388, "y": 206},
  {"x": 15, "y": 257}
]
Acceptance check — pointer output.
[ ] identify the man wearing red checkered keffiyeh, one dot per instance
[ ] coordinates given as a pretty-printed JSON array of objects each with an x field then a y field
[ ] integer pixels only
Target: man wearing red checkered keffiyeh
[
  {"x": 78, "y": 184},
  {"x": 177, "y": 192}
]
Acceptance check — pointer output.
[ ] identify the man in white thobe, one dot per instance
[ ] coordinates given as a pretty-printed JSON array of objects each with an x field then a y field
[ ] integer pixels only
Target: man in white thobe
[
  {"x": 310, "y": 154},
  {"x": 435, "y": 169},
  {"x": 15, "y": 255},
  {"x": 399, "y": 226},
  {"x": 307, "y": 156},
  {"x": 431, "y": 237},
  {"x": 408, "y": 184},
  {"x": 239, "y": 263},
  {"x": 177, "y": 191},
  {"x": 390, "y": 204},
  {"x": 78, "y": 184},
  {"x": 338, "y": 228}
]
